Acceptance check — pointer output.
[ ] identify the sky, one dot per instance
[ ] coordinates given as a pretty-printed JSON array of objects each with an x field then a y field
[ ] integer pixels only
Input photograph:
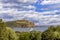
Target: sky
[{"x": 41, "y": 12}]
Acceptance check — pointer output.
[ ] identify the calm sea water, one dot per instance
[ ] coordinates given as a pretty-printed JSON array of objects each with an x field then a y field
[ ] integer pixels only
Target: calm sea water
[{"x": 30, "y": 29}]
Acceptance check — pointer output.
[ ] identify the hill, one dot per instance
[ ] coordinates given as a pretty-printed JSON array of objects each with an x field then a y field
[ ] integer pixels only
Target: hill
[{"x": 20, "y": 23}]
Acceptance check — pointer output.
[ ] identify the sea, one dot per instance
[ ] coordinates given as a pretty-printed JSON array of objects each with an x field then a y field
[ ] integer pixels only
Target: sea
[{"x": 41, "y": 29}]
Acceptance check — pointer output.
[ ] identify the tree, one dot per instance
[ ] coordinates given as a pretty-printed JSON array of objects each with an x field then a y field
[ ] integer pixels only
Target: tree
[
  {"x": 6, "y": 33},
  {"x": 24, "y": 36},
  {"x": 12, "y": 35},
  {"x": 35, "y": 35},
  {"x": 49, "y": 34},
  {"x": 52, "y": 28},
  {"x": 52, "y": 33},
  {"x": 58, "y": 28}
]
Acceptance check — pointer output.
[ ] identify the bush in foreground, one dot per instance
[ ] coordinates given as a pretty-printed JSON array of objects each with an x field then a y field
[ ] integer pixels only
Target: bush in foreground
[
  {"x": 33, "y": 35},
  {"x": 52, "y": 33},
  {"x": 6, "y": 33}
]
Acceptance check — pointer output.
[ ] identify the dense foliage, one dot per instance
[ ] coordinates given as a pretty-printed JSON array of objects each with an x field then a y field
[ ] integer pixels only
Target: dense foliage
[
  {"x": 34, "y": 35},
  {"x": 52, "y": 33},
  {"x": 6, "y": 33}
]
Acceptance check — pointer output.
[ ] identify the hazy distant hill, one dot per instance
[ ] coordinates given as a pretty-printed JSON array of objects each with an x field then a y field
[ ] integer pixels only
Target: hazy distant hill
[{"x": 20, "y": 23}]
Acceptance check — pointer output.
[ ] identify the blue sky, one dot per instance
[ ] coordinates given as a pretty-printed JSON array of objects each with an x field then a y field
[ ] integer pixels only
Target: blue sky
[{"x": 41, "y": 12}]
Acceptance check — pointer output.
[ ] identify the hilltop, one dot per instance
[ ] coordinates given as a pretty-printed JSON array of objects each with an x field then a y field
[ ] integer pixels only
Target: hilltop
[{"x": 20, "y": 23}]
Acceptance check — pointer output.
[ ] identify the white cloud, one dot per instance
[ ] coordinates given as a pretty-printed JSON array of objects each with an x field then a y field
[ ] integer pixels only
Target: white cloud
[
  {"x": 30, "y": 7},
  {"x": 28, "y": 1},
  {"x": 13, "y": 7},
  {"x": 16, "y": 6},
  {"x": 50, "y": 2}
]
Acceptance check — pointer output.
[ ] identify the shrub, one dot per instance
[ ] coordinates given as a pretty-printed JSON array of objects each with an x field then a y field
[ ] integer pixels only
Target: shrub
[
  {"x": 12, "y": 35},
  {"x": 8, "y": 34},
  {"x": 52, "y": 33},
  {"x": 35, "y": 35},
  {"x": 24, "y": 36}
]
